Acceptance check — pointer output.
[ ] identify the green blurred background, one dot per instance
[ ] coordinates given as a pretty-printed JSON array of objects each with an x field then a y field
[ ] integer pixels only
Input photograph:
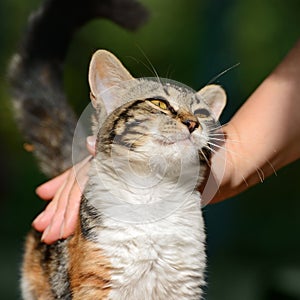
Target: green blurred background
[{"x": 253, "y": 239}]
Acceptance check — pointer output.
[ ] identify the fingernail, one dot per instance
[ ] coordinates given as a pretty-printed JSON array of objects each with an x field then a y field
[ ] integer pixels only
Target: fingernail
[
  {"x": 39, "y": 218},
  {"x": 37, "y": 190},
  {"x": 45, "y": 233},
  {"x": 91, "y": 140},
  {"x": 62, "y": 228}
]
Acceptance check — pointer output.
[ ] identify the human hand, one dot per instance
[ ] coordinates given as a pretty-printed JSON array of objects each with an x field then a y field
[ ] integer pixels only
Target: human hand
[{"x": 59, "y": 218}]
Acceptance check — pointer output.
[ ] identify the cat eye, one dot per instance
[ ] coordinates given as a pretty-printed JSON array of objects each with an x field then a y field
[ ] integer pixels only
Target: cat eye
[
  {"x": 160, "y": 104},
  {"x": 202, "y": 113}
]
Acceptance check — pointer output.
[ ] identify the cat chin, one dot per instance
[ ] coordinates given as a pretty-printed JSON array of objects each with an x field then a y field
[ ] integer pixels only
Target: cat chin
[
  {"x": 187, "y": 147},
  {"x": 176, "y": 144},
  {"x": 183, "y": 141}
]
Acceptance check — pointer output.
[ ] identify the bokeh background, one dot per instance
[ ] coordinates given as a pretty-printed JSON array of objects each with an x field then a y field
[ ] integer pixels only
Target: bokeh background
[{"x": 253, "y": 239}]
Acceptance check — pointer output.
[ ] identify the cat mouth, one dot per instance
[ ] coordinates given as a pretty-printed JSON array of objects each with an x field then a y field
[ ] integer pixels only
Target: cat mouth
[{"x": 175, "y": 140}]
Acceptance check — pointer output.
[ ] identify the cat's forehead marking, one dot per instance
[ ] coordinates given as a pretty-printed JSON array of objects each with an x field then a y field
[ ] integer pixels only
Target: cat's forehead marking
[
  {"x": 197, "y": 100},
  {"x": 180, "y": 97}
]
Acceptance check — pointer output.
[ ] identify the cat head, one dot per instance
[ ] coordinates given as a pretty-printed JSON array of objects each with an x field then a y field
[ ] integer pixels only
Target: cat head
[{"x": 151, "y": 119}]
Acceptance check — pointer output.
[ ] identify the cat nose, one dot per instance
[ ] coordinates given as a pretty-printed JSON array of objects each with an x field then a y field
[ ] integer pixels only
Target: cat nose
[{"x": 191, "y": 124}]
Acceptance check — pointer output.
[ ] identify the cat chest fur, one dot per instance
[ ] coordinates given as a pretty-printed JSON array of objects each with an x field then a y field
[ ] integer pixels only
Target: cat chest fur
[{"x": 160, "y": 260}]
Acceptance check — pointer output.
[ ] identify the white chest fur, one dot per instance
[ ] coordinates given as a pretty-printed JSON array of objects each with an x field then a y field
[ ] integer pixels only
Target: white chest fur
[{"x": 164, "y": 259}]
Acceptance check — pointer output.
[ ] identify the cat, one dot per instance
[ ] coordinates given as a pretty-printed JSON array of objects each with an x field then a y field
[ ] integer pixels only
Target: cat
[{"x": 141, "y": 233}]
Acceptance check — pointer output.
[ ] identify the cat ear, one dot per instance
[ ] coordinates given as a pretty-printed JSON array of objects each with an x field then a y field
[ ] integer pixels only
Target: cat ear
[
  {"x": 215, "y": 97},
  {"x": 105, "y": 72}
]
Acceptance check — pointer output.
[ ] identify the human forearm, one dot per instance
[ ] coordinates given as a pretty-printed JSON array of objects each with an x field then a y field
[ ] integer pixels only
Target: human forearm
[{"x": 265, "y": 133}]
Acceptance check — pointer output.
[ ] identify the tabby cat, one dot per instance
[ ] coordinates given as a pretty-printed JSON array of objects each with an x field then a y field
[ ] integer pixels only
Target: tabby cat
[{"x": 141, "y": 232}]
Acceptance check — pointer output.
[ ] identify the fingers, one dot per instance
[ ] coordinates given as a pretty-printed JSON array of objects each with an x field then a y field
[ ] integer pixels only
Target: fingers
[
  {"x": 42, "y": 221},
  {"x": 53, "y": 230},
  {"x": 60, "y": 216},
  {"x": 48, "y": 190},
  {"x": 71, "y": 213},
  {"x": 71, "y": 192}
]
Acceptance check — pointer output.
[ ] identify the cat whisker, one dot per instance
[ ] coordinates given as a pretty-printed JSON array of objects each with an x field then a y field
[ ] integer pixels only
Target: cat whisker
[
  {"x": 259, "y": 171},
  {"x": 151, "y": 66},
  {"x": 150, "y": 69},
  {"x": 272, "y": 167},
  {"x": 217, "y": 153},
  {"x": 224, "y": 140},
  {"x": 219, "y": 135},
  {"x": 205, "y": 158},
  {"x": 169, "y": 72},
  {"x": 214, "y": 127},
  {"x": 222, "y": 73}
]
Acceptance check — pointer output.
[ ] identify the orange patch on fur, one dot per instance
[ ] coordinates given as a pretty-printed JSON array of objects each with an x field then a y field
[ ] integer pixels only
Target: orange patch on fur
[
  {"x": 37, "y": 282},
  {"x": 89, "y": 270},
  {"x": 28, "y": 147}
]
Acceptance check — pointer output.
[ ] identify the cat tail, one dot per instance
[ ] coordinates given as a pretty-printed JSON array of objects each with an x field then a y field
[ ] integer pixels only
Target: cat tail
[{"x": 36, "y": 74}]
